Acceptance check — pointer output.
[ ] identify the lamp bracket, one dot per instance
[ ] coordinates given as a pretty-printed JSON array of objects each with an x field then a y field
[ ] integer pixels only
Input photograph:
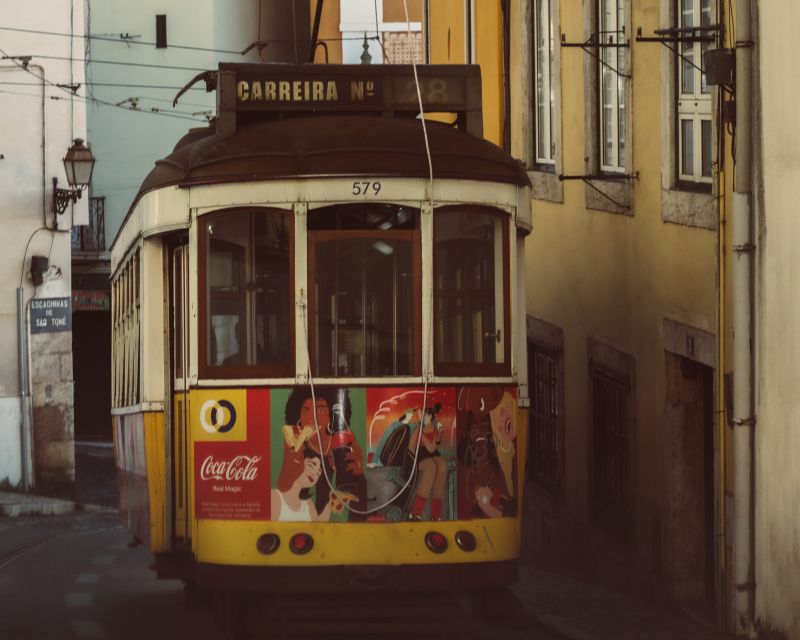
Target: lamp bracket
[{"x": 62, "y": 198}]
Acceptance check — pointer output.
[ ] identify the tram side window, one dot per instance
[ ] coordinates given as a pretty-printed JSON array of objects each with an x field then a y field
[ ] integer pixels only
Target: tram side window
[
  {"x": 364, "y": 274},
  {"x": 247, "y": 294},
  {"x": 471, "y": 291},
  {"x": 125, "y": 302}
]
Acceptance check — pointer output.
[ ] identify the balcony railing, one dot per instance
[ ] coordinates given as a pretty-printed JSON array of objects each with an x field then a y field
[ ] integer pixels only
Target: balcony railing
[{"x": 92, "y": 237}]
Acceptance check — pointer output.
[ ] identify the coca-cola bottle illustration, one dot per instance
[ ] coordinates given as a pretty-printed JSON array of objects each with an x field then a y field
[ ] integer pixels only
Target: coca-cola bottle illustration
[{"x": 350, "y": 480}]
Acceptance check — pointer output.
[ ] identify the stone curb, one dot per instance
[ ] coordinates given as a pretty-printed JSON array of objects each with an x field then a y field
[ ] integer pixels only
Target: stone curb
[{"x": 14, "y": 505}]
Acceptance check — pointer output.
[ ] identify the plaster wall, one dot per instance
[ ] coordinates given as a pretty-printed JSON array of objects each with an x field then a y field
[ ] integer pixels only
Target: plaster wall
[
  {"x": 613, "y": 277},
  {"x": 40, "y": 121},
  {"x": 777, "y": 469},
  {"x": 10, "y": 447},
  {"x": 448, "y": 45}
]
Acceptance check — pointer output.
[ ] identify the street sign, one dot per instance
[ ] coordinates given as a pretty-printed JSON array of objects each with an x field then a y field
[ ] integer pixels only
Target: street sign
[{"x": 50, "y": 315}]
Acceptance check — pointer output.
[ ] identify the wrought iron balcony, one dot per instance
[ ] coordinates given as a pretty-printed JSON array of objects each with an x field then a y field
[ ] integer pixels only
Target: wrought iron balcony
[{"x": 91, "y": 238}]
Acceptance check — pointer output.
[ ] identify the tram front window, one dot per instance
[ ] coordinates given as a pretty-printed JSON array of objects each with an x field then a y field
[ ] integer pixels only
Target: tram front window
[
  {"x": 470, "y": 291},
  {"x": 364, "y": 267},
  {"x": 247, "y": 297}
]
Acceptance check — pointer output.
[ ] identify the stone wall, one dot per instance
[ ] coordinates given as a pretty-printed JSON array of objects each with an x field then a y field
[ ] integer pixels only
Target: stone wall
[{"x": 53, "y": 417}]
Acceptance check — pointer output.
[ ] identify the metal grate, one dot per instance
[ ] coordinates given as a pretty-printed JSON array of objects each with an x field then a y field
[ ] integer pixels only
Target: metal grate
[
  {"x": 91, "y": 237},
  {"x": 610, "y": 489},
  {"x": 545, "y": 444}
]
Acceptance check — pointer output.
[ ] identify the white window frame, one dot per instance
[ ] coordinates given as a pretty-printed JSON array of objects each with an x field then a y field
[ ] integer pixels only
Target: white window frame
[
  {"x": 693, "y": 107},
  {"x": 544, "y": 150},
  {"x": 612, "y": 61},
  {"x": 470, "y": 54}
]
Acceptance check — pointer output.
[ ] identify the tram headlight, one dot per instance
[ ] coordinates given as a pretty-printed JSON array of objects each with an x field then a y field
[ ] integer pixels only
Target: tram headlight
[
  {"x": 268, "y": 543},
  {"x": 466, "y": 541}
]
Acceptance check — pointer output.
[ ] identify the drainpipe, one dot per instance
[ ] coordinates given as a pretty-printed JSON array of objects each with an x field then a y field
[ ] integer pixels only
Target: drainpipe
[
  {"x": 24, "y": 393},
  {"x": 744, "y": 420}
]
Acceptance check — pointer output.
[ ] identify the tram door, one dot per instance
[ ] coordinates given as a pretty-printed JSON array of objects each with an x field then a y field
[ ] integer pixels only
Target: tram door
[{"x": 181, "y": 461}]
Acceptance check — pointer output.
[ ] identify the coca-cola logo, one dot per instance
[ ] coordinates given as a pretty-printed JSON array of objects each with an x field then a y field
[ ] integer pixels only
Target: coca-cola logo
[{"x": 241, "y": 468}]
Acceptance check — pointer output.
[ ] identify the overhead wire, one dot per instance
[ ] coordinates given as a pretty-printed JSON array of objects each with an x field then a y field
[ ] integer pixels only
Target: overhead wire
[
  {"x": 301, "y": 303},
  {"x": 110, "y": 62},
  {"x": 122, "y": 39},
  {"x": 127, "y": 39},
  {"x": 73, "y": 92}
]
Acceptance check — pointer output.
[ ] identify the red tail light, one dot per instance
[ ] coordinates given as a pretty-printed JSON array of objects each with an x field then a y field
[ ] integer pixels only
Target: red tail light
[
  {"x": 301, "y": 543},
  {"x": 436, "y": 542}
]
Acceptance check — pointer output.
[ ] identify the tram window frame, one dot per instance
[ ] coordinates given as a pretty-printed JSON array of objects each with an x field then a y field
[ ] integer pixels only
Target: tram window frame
[
  {"x": 247, "y": 289},
  {"x": 126, "y": 330},
  {"x": 331, "y": 224},
  {"x": 446, "y": 367}
]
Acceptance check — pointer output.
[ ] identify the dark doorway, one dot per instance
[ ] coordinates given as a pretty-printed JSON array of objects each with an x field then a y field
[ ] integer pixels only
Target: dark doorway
[
  {"x": 91, "y": 362},
  {"x": 690, "y": 421}
]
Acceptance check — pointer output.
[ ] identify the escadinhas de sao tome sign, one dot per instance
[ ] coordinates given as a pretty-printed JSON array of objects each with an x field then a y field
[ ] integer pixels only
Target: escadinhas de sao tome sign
[{"x": 50, "y": 315}]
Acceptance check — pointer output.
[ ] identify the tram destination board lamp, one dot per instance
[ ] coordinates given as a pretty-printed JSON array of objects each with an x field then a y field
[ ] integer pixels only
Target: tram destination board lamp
[{"x": 78, "y": 164}]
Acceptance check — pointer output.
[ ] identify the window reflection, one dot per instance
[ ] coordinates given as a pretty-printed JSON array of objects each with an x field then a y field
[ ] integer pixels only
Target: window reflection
[
  {"x": 248, "y": 290},
  {"x": 365, "y": 315},
  {"x": 469, "y": 258}
]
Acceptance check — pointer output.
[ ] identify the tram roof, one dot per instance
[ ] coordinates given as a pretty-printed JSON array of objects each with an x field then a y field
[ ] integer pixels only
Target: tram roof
[{"x": 332, "y": 146}]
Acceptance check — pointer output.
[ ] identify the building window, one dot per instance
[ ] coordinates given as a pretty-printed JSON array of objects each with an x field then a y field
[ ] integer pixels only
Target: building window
[
  {"x": 610, "y": 466},
  {"x": 545, "y": 448},
  {"x": 544, "y": 142},
  {"x": 470, "y": 262},
  {"x": 246, "y": 294},
  {"x": 694, "y": 97},
  {"x": 612, "y": 85},
  {"x": 161, "y": 31},
  {"x": 364, "y": 281},
  {"x": 384, "y": 30}
]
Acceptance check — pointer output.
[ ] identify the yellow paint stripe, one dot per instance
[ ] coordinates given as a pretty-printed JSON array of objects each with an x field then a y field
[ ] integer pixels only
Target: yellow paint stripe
[
  {"x": 233, "y": 542},
  {"x": 156, "y": 482}
]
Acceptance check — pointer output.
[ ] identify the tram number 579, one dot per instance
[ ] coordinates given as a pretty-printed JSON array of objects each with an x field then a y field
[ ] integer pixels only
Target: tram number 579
[{"x": 366, "y": 188}]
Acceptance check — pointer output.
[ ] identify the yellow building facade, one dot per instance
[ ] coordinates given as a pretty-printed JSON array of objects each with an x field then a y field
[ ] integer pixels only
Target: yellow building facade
[
  {"x": 630, "y": 465},
  {"x": 625, "y": 146}
]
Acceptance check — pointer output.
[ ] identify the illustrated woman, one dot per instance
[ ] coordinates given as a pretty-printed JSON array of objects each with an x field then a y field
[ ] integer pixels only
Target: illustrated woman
[
  {"x": 291, "y": 501},
  {"x": 432, "y": 481},
  {"x": 303, "y": 414}
]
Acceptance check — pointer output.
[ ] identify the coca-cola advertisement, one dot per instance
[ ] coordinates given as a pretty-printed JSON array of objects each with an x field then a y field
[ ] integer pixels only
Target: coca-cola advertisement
[
  {"x": 231, "y": 455},
  {"x": 355, "y": 454}
]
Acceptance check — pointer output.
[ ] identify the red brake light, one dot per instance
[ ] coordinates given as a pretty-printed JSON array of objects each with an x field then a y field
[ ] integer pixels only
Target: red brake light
[
  {"x": 436, "y": 542},
  {"x": 301, "y": 543}
]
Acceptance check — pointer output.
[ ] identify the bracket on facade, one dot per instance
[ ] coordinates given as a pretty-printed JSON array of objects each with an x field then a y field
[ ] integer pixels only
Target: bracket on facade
[
  {"x": 687, "y": 35},
  {"x": 682, "y": 35},
  {"x": 23, "y": 60},
  {"x": 587, "y": 180},
  {"x": 594, "y": 42}
]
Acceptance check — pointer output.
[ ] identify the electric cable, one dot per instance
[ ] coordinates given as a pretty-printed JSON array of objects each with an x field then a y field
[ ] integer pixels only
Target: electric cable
[
  {"x": 304, "y": 319},
  {"x": 73, "y": 92}
]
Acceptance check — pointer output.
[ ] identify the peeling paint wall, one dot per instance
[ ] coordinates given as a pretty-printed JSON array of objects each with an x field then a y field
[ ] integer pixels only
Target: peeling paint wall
[
  {"x": 37, "y": 132},
  {"x": 777, "y": 433}
]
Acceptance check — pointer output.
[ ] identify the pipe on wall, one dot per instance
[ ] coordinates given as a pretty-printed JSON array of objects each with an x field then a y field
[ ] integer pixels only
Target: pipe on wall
[
  {"x": 24, "y": 393},
  {"x": 743, "y": 334}
]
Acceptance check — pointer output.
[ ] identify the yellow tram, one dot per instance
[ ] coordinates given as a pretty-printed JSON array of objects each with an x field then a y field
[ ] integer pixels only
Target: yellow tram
[{"x": 319, "y": 347}]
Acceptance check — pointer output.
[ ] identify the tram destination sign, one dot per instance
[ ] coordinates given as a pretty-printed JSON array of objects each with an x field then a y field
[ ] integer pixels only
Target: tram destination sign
[
  {"x": 51, "y": 315},
  {"x": 384, "y": 89}
]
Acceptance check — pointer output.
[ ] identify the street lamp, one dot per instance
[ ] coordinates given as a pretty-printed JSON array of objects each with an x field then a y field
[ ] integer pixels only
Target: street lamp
[{"x": 78, "y": 164}]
